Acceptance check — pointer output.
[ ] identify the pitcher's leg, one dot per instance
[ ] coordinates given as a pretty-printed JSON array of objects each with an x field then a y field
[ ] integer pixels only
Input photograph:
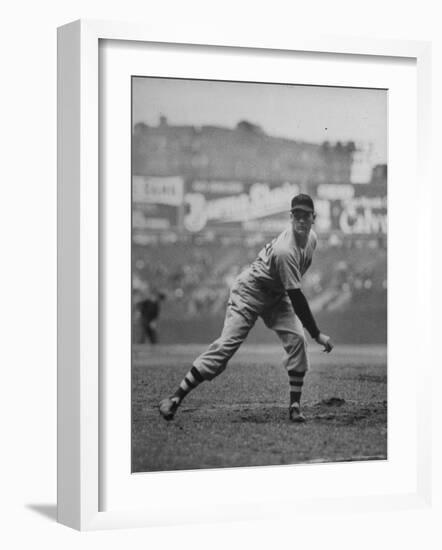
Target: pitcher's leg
[
  {"x": 296, "y": 362},
  {"x": 290, "y": 331},
  {"x": 213, "y": 361},
  {"x": 236, "y": 328}
]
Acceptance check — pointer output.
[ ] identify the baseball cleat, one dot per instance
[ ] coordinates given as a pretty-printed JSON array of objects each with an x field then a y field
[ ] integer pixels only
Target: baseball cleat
[
  {"x": 168, "y": 407},
  {"x": 295, "y": 414}
]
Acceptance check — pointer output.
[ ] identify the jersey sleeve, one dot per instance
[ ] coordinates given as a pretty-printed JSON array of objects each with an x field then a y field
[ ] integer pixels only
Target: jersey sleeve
[{"x": 288, "y": 270}]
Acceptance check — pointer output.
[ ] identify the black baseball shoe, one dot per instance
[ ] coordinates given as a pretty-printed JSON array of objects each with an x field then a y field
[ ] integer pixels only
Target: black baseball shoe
[
  {"x": 168, "y": 407},
  {"x": 295, "y": 414}
]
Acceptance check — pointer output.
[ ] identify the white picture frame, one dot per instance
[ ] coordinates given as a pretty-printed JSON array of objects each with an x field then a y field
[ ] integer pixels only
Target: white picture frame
[{"x": 79, "y": 273}]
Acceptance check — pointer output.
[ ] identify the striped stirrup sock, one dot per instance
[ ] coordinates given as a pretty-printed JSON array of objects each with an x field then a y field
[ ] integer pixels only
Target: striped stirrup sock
[
  {"x": 192, "y": 379},
  {"x": 296, "y": 381}
]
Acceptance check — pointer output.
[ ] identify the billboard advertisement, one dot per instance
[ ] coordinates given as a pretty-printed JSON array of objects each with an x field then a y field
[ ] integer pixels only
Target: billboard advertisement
[
  {"x": 193, "y": 207},
  {"x": 157, "y": 203},
  {"x": 248, "y": 205}
]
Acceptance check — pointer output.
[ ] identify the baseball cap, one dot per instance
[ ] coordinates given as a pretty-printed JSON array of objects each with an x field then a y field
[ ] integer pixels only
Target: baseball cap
[{"x": 302, "y": 202}]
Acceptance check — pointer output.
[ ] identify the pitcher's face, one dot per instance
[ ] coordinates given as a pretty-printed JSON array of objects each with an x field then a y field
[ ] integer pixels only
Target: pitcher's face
[{"x": 302, "y": 221}]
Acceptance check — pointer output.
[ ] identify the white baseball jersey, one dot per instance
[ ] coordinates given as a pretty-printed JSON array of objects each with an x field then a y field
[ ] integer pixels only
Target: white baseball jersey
[
  {"x": 281, "y": 263},
  {"x": 260, "y": 290}
]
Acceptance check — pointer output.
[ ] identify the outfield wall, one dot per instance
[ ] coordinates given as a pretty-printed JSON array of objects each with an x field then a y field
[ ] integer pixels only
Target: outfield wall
[{"x": 345, "y": 327}]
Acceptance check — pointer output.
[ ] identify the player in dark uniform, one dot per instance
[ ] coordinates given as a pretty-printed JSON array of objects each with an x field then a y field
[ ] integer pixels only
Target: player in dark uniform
[
  {"x": 149, "y": 310},
  {"x": 271, "y": 289}
]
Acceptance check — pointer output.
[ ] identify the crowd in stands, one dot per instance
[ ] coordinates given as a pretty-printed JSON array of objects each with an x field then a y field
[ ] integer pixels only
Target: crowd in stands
[{"x": 197, "y": 279}]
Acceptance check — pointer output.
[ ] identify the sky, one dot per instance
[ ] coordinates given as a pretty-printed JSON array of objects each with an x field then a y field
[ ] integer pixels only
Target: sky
[{"x": 308, "y": 113}]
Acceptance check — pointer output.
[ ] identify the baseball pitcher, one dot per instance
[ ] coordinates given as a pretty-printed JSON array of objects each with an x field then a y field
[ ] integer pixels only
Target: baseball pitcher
[{"x": 271, "y": 289}]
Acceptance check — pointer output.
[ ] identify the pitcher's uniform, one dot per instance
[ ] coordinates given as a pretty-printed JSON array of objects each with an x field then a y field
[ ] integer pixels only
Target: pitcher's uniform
[{"x": 260, "y": 290}]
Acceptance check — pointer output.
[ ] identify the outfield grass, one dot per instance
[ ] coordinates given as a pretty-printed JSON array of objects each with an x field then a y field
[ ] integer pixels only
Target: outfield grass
[{"x": 240, "y": 418}]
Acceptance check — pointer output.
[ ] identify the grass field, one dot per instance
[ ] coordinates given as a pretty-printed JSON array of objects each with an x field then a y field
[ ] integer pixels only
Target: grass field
[{"x": 240, "y": 418}]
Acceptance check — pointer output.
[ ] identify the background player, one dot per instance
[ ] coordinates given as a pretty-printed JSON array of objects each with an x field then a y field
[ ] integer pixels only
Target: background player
[
  {"x": 149, "y": 310},
  {"x": 271, "y": 289}
]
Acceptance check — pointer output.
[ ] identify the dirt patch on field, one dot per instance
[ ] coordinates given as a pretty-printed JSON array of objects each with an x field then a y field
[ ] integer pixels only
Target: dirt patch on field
[
  {"x": 241, "y": 418},
  {"x": 341, "y": 412}
]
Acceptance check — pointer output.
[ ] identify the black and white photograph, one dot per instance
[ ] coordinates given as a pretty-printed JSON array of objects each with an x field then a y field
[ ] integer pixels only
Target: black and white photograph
[{"x": 259, "y": 274}]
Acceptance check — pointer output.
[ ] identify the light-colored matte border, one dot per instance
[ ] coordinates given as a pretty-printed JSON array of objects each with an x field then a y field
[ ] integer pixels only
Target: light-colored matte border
[{"x": 78, "y": 257}]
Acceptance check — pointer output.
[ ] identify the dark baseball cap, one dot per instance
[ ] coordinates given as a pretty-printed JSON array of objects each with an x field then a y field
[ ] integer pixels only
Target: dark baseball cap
[{"x": 302, "y": 202}]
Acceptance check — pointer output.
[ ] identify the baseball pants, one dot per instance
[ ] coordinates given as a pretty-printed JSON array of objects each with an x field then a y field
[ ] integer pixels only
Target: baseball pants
[{"x": 248, "y": 300}]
